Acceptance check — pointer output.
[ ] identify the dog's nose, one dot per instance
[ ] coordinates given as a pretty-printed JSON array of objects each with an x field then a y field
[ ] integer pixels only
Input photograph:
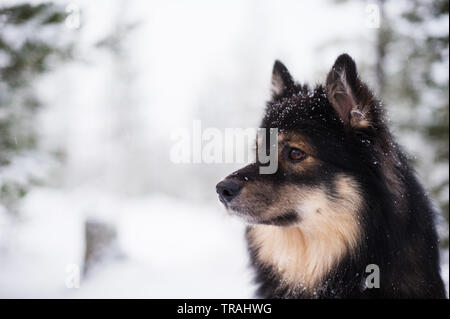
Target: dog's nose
[{"x": 228, "y": 189}]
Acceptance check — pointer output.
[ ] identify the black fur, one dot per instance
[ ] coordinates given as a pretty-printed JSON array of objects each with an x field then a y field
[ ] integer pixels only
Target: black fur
[{"x": 397, "y": 219}]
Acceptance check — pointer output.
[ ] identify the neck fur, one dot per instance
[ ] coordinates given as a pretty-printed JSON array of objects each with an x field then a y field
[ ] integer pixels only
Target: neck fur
[{"x": 302, "y": 255}]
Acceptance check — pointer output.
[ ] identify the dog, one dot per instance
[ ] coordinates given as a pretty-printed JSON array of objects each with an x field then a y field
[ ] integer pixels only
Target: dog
[{"x": 344, "y": 204}]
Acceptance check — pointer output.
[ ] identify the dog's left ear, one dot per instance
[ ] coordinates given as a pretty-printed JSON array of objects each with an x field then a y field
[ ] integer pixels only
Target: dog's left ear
[
  {"x": 349, "y": 96},
  {"x": 282, "y": 81}
]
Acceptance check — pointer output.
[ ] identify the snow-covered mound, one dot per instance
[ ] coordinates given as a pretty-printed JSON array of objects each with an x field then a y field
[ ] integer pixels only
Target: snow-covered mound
[{"x": 171, "y": 249}]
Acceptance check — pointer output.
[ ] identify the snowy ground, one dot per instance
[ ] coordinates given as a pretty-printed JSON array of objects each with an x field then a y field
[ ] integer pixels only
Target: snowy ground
[{"x": 173, "y": 249}]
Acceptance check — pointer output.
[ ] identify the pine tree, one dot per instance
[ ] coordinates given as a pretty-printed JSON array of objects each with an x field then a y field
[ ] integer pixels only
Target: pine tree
[
  {"x": 26, "y": 52},
  {"x": 420, "y": 83}
]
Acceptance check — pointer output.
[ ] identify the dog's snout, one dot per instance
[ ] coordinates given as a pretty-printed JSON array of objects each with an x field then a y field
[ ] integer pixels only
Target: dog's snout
[{"x": 228, "y": 189}]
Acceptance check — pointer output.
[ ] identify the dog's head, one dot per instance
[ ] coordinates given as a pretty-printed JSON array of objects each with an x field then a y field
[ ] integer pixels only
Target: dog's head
[{"x": 327, "y": 143}]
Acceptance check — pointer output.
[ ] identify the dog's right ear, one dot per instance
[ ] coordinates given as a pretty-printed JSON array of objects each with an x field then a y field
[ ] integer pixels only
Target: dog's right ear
[{"x": 282, "y": 81}]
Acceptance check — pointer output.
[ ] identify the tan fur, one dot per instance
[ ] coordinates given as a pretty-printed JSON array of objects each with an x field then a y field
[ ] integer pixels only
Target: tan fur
[
  {"x": 358, "y": 118},
  {"x": 304, "y": 253},
  {"x": 298, "y": 141}
]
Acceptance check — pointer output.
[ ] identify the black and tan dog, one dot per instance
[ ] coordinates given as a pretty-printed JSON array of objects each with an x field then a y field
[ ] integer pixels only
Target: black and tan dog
[{"x": 343, "y": 197}]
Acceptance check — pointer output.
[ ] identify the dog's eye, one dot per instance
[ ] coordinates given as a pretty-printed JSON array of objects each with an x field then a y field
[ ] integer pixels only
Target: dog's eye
[{"x": 296, "y": 154}]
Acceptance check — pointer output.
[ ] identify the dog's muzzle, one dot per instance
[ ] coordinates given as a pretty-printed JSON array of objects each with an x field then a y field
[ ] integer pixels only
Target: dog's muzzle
[{"x": 228, "y": 189}]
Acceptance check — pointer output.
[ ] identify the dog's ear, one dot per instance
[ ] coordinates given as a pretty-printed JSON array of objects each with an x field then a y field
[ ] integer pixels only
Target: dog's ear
[
  {"x": 348, "y": 95},
  {"x": 282, "y": 81}
]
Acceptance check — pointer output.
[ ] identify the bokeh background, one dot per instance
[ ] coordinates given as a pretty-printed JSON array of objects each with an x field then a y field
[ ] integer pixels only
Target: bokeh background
[{"x": 90, "y": 92}]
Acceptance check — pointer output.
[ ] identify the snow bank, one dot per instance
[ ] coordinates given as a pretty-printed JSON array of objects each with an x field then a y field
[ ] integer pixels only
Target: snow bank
[{"x": 172, "y": 249}]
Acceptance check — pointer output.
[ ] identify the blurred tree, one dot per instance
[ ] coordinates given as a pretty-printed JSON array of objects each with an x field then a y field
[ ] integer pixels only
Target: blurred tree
[
  {"x": 419, "y": 48},
  {"x": 432, "y": 53},
  {"x": 29, "y": 47}
]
